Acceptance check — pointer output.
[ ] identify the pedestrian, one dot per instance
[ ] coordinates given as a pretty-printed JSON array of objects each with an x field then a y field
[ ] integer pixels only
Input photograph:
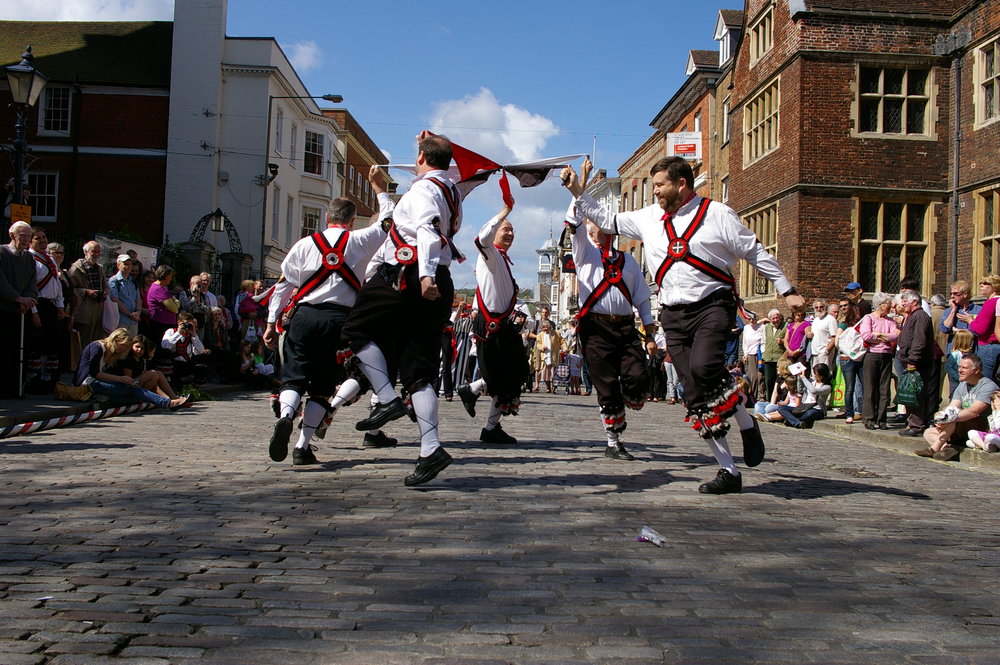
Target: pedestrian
[
  {"x": 918, "y": 352},
  {"x": 49, "y": 333},
  {"x": 693, "y": 241},
  {"x": 91, "y": 291},
  {"x": 611, "y": 285},
  {"x": 18, "y": 294},
  {"x": 396, "y": 322},
  {"x": 499, "y": 352},
  {"x": 879, "y": 333},
  {"x": 125, "y": 294},
  {"x": 323, "y": 271}
]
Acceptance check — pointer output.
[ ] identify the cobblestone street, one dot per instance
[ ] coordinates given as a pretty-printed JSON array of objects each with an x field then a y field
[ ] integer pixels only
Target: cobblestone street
[{"x": 172, "y": 538}]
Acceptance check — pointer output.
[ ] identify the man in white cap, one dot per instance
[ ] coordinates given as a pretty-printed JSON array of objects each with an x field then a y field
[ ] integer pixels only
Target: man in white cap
[{"x": 124, "y": 293}]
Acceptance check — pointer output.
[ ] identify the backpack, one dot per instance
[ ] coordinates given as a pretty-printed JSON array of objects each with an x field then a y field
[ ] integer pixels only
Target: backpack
[{"x": 850, "y": 343}]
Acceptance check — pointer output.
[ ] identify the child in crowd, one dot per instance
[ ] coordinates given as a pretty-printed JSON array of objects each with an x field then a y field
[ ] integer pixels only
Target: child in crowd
[
  {"x": 961, "y": 343},
  {"x": 786, "y": 393},
  {"x": 988, "y": 441},
  {"x": 813, "y": 403},
  {"x": 187, "y": 351}
]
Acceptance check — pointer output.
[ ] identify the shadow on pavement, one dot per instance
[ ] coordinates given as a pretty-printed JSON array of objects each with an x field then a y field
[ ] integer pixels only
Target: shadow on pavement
[{"x": 810, "y": 487}]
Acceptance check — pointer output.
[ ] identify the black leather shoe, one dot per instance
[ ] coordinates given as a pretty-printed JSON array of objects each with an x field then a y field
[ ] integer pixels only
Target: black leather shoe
[
  {"x": 724, "y": 483},
  {"x": 906, "y": 431},
  {"x": 302, "y": 456},
  {"x": 496, "y": 435},
  {"x": 279, "y": 439},
  {"x": 753, "y": 445},
  {"x": 468, "y": 398},
  {"x": 883, "y": 425},
  {"x": 378, "y": 440},
  {"x": 382, "y": 414},
  {"x": 428, "y": 467},
  {"x": 618, "y": 452}
]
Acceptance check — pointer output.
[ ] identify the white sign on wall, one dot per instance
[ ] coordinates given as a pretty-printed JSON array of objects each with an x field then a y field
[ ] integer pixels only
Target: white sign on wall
[{"x": 684, "y": 144}]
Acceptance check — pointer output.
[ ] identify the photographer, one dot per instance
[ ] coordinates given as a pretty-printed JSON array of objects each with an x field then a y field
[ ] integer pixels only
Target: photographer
[
  {"x": 195, "y": 302},
  {"x": 188, "y": 353}
]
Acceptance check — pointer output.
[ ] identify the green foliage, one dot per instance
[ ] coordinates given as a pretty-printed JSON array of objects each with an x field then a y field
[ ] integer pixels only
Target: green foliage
[{"x": 197, "y": 393}]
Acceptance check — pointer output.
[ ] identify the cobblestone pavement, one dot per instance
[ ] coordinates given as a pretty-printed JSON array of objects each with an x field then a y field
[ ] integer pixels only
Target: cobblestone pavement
[{"x": 171, "y": 538}]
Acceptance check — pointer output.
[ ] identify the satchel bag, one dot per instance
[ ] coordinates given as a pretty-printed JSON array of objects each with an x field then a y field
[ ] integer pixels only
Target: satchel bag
[
  {"x": 64, "y": 391},
  {"x": 109, "y": 317},
  {"x": 910, "y": 389}
]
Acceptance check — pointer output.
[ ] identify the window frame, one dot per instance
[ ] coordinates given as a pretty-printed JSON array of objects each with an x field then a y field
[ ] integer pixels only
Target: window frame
[
  {"x": 762, "y": 126},
  {"x": 275, "y": 214},
  {"x": 304, "y": 218},
  {"x": 928, "y": 99},
  {"x": 310, "y": 158},
  {"x": 986, "y": 199},
  {"x": 279, "y": 121},
  {"x": 44, "y": 110},
  {"x": 36, "y": 192},
  {"x": 293, "y": 145},
  {"x": 926, "y": 267},
  {"x": 979, "y": 76},
  {"x": 764, "y": 224},
  {"x": 762, "y": 34},
  {"x": 726, "y": 126}
]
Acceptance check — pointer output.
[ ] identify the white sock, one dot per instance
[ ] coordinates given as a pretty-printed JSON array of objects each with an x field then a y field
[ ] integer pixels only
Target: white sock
[
  {"x": 477, "y": 387},
  {"x": 613, "y": 439},
  {"x": 720, "y": 448},
  {"x": 425, "y": 406},
  {"x": 347, "y": 391},
  {"x": 289, "y": 401},
  {"x": 374, "y": 367},
  {"x": 743, "y": 419},
  {"x": 312, "y": 416},
  {"x": 493, "y": 419}
]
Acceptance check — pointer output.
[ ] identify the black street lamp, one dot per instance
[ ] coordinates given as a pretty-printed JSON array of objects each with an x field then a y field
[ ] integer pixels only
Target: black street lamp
[
  {"x": 271, "y": 168},
  {"x": 26, "y": 84}
]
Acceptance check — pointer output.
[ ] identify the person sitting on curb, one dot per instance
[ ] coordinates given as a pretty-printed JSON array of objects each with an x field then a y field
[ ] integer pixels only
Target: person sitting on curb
[
  {"x": 969, "y": 409},
  {"x": 96, "y": 362}
]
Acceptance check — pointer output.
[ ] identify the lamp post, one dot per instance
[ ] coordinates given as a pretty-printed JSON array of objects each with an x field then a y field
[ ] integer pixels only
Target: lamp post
[
  {"x": 271, "y": 170},
  {"x": 26, "y": 84}
]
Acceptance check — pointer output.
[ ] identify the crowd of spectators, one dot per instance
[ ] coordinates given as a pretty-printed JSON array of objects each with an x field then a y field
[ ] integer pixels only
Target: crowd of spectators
[{"x": 90, "y": 320}]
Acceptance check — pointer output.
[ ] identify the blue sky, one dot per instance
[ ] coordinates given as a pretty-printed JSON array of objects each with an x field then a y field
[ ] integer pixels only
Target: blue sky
[{"x": 515, "y": 81}]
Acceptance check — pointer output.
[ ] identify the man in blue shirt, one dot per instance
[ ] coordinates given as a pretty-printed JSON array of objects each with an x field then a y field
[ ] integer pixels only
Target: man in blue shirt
[
  {"x": 960, "y": 312},
  {"x": 125, "y": 294}
]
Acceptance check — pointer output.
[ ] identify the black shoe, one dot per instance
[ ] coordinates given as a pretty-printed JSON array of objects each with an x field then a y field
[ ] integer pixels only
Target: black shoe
[
  {"x": 753, "y": 445},
  {"x": 279, "y": 439},
  {"x": 379, "y": 440},
  {"x": 382, "y": 414},
  {"x": 496, "y": 435},
  {"x": 883, "y": 425},
  {"x": 898, "y": 418},
  {"x": 724, "y": 483},
  {"x": 618, "y": 452},
  {"x": 906, "y": 431},
  {"x": 468, "y": 398},
  {"x": 428, "y": 467},
  {"x": 302, "y": 456}
]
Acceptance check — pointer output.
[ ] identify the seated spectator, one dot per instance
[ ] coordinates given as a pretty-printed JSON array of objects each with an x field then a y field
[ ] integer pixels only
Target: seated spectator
[
  {"x": 187, "y": 351},
  {"x": 962, "y": 342},
  {"x": 786, "y": 393},
  {"x": 988, "y": 441},
  {"x": 96, "y": 362},
  {"x": 968, "y": 410},
  {"x": 136, "y": 364},
  {"x": 813, "y": 405}
]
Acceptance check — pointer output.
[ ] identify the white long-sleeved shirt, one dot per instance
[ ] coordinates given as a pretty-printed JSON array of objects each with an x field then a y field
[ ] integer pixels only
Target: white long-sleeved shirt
[
  {"x": 493, "y": 275},
  {"x": 753, "y": 339},
  {"x": 172, "y": 336},
  {"x": 304, "y": 259},
  {"x": 422, "y": 217},
  {"x": 53, "y": 290},
  {"x": 590, "y": 272},
  {"x": 721, "y": 241}
]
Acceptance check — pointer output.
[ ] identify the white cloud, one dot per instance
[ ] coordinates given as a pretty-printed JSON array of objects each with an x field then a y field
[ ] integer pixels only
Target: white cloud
[
  {"x": 89, "y": 10},
  {"x": 502, "y": 132},
  {"x": 305, "y": 56}
]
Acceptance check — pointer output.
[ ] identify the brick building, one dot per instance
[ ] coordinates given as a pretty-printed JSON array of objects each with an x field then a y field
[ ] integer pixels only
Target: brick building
[
  {"x": 843, "y": 141},
  {"x": 361, "y": 155},
  {"x": 98, "y": 134}
]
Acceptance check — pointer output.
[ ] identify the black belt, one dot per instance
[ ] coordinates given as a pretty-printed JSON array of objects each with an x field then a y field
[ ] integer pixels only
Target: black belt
[{"x": 613, "y": 318}]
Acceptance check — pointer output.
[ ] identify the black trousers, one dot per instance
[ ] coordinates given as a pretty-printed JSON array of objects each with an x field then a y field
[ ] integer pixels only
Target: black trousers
[
  {"x": 696, "y": 337},
  {"x": 919, "y": 418},
  {"x": 876, "y": 381},
  {"x": 402, "y": 323},
  {"x": 616, "y": 360},
  {"x": 13, "y": 340},
  {"x": 447, "y": 383},
  {"x": 310, "y": 349},
  {"x": 501, "y": 360}
]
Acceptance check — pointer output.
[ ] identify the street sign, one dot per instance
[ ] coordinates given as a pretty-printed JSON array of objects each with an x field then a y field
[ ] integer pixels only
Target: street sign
[
  {"x": 684, "y": 144},
  {"x": 20, "y": 213}
]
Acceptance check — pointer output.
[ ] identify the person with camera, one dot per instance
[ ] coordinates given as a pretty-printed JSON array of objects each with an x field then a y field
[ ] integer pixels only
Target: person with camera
[
  {"x": 87, "y": 278},
  {"x": 187, "y": 351},
  {"x": 97, "y": 370}
]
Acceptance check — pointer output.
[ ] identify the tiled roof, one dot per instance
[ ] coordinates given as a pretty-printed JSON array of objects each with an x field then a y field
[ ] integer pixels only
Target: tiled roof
[
  {"x": 732, "y": 17},
  {"x": 108, "y": 52},
  {"x": 704, "y": 58},
  {"x": 928, "y": 7}
]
